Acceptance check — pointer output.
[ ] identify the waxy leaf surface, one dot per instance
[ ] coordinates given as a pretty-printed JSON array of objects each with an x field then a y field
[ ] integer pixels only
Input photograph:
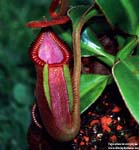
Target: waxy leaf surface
[
  {"x": 91, "y": 87},
  {"x": 122, "y": 13},
  {"x": 126, "y": 75},
  {"x": 128, "y": 48},
  {"x": 91, "y": 46}
]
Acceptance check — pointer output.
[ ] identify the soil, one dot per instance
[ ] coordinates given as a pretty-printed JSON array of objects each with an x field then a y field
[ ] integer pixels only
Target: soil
[{"x": 105, "y": 122}]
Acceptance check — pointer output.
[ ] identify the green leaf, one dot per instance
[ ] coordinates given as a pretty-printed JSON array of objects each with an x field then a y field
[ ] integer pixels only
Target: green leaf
[
  {"x": 75, "y": 13},
  {"x": 91, "y": 87},
  {"x": 89, "y": 38},
  {"x": 128, "y": 48},
  {"x": 92, "y": 47},
  {"x": 79, "y": 15},
  {"x": 121, "y": 41},
  {"x": 122, "y": 13},
  {"x": 126, "y": 75},
  {"x": 137, "y": 50}
]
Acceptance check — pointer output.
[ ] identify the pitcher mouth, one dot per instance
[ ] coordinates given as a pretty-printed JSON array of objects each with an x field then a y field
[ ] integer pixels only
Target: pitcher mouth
[{"x": 49, "y": 49}]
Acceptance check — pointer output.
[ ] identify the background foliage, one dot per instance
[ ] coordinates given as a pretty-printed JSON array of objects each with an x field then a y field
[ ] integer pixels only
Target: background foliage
[{"x": 17, "y": 75}]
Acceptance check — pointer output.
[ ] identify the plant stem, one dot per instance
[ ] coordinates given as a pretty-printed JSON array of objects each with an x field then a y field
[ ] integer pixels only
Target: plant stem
[{"x": 77, "y": 58}]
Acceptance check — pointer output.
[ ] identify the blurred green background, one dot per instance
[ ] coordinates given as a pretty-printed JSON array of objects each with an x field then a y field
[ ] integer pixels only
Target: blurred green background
[{"x": 17, "y": 74}]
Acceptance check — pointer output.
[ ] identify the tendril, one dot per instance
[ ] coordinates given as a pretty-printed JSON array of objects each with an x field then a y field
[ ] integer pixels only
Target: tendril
[{"x": 62, "y": 5}]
